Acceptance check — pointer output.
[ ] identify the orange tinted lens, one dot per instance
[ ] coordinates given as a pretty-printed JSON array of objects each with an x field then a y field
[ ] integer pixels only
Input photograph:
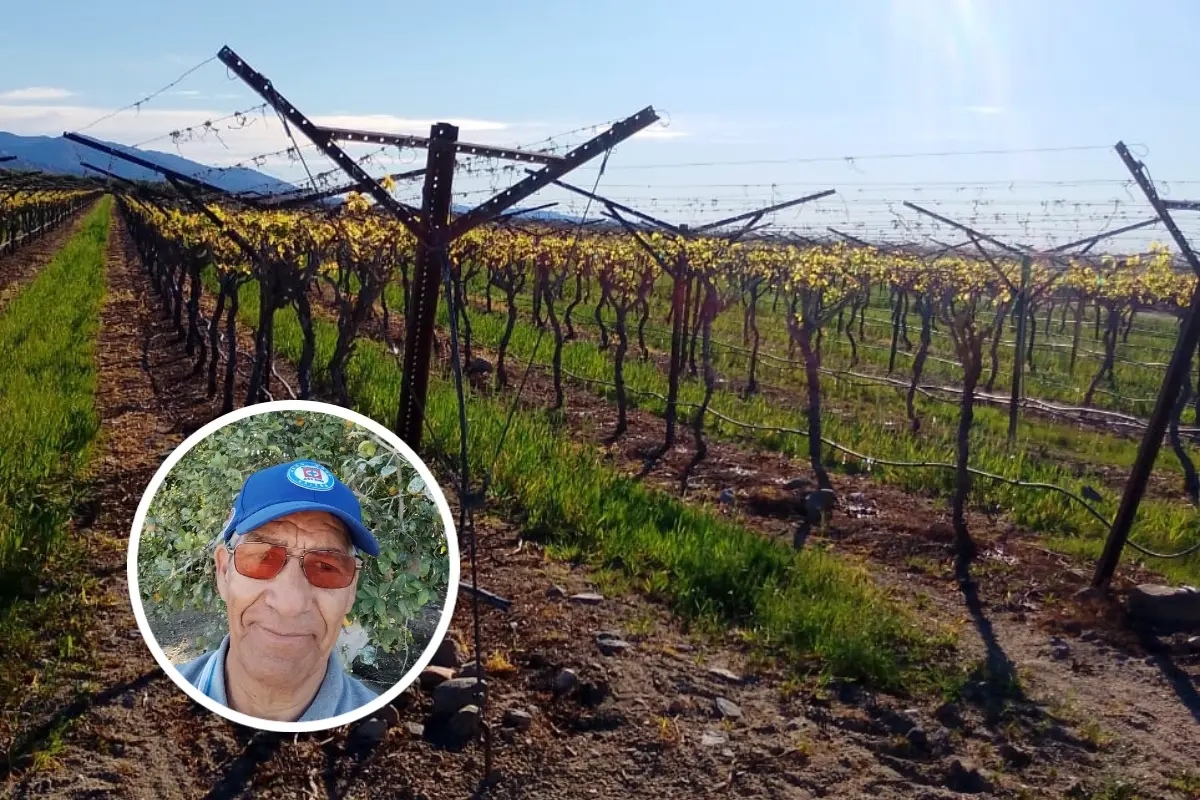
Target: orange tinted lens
[
  {"x": 329, "y": 569},
  {"x": 259, "y": 559}
]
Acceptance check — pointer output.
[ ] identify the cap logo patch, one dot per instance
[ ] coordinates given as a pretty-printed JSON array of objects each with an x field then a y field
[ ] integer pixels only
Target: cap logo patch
[{"x": 311, "y": 476}]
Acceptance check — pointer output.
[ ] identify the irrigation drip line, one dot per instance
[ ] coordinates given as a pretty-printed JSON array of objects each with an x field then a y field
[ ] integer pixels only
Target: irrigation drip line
[
  {"x": 790, "y": 362},
  {"x": 466, "y": 508},
  {"x": 871, "y": 461}
]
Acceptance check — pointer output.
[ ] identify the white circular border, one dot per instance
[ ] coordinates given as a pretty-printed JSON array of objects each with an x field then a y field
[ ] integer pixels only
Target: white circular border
[{"x": 451, "y": 545}]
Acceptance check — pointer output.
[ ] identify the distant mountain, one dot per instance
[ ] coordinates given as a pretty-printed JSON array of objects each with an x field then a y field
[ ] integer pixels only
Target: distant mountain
[{"x": 56, "y": 154}]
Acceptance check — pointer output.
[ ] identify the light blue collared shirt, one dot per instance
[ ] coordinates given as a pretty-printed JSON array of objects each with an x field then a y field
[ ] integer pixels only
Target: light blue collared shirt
[{"x": 339, "y": 693}]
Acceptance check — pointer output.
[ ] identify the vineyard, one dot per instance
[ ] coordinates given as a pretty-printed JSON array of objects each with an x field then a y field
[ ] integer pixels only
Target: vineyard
[{"x": 745, "y": 509}]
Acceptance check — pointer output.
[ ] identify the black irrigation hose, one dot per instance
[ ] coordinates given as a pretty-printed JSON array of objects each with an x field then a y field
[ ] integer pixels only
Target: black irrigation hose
[{"x": 901, "y": 464}]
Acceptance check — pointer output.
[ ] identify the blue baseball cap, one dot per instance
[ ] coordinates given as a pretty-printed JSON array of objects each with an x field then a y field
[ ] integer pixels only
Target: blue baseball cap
[{"x": 303, "y": 485}]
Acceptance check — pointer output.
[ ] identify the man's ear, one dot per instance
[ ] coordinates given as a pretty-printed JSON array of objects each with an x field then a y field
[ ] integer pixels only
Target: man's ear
[
  {"x": 221, "y": 559},
  {"x": 352, "y": 594}
]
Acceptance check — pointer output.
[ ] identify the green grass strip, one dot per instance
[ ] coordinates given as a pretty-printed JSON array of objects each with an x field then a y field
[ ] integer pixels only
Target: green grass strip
[
  {"x": 48, "y": 418},
  {"x": 815, "y": 609}
]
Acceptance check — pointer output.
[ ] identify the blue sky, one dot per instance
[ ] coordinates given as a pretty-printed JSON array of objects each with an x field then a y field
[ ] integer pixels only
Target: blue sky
[{"x": 782, "y": 82}]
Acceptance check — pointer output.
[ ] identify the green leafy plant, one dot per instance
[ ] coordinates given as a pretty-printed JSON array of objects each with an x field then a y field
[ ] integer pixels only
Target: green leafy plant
[{"x": 175, "y": 557}]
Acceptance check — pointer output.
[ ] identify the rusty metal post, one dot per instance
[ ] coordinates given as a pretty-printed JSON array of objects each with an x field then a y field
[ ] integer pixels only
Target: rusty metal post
[
  {"x": 421, "y": 313},
  {"x": 1177, "y": 368}
]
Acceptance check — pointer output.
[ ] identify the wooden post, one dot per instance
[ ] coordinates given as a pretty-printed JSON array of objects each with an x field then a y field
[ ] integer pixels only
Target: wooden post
[
  {"x": 1189, "y": 336},
  {"x": 1019, "y": 356}
]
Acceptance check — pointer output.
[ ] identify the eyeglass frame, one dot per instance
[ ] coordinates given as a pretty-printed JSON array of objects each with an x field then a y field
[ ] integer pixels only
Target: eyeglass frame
[{"x": 290, "y": 554}]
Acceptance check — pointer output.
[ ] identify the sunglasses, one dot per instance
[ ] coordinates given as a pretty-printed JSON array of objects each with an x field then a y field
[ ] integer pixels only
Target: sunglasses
[{"x": 325, "y": 569}]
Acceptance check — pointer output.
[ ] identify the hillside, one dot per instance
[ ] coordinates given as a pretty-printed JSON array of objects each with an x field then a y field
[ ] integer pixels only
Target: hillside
[{"x": 56, "y": 154}]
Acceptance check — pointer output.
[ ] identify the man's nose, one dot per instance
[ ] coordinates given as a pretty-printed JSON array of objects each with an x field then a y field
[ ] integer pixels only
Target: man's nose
[{"x": 290, "y": 593}]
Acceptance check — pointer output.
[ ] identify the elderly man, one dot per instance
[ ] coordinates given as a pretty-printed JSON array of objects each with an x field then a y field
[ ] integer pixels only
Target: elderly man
[{"x": 287, "y": 569}]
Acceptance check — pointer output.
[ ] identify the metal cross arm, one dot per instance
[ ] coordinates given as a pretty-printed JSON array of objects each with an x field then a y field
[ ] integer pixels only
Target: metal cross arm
[
  {"x": 6, "y": 159},
  {"x": 1160, "y": 207},
  {"x": 619, "y": 132},
  {"x": 292, "y": 199},
  {"x": 613, "y": 204},
  {"x": 166, "y": 172},
  {"x": 967, "y": 230},
  {"x": 755, "y": 216},
  {"x": 230, "y": 233},
  {"x": 462, "y": 148},
  {"x": 1092, "y": 240},
  {"x": 618, "y": 206},
  {"x": 142, "y": 191},
  {"x": 1181, "y": 205},
  {"x": 266, "y": 91}
]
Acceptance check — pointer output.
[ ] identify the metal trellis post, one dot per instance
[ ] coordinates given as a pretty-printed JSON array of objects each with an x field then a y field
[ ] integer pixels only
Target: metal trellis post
[
  {"x": 423, "y": 293},
  {"x": 1177, "y": 368}
]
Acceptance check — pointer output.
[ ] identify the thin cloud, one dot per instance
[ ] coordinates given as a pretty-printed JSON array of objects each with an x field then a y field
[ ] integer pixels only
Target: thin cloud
[
  {"x": 658, "y": 133},
  {"x": 35, "y": 93},
  {"x": 988, "y": 111},
  {"x": 387, "y": 123}
]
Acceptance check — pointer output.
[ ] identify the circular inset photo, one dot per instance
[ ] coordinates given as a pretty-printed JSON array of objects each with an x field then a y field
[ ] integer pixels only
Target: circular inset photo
[{"x": 293, "y": 566}]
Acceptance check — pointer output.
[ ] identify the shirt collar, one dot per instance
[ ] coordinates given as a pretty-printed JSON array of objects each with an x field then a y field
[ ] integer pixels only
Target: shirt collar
[{"x": 212, "y": 683}]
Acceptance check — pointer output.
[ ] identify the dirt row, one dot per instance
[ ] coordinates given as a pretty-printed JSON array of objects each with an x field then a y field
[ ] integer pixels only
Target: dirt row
[{"x": 647, "y": 720}]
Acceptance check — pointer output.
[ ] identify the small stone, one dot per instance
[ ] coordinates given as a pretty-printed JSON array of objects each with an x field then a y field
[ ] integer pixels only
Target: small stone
[
  {"x": 555, "y": 592},
  {"x": 447, "y": 654},
  {"x": 432, "y": 677},
  {"x": 949, "y": 714},
  {"x": 454, "y": 694},
  {"x": 518, "y": 718},
  {"x": 725, "y": 675},
  {"x": 727, "y": 753},
  {"x": 1060, "y": 652},
  {"x": 818, "y": 504},
  {"x": 941, "y": 741},
  {"x": 508, "y": 735},
  {"x": 593, "y": 693},
  {"x": 714, "y": 739},
  {"x": 1089, "y": 636},
  {"x": 857, "y": 497},
  {"x": 371, "y": 732},
  {"x": 1164, "y": 606},
  {"x": 917, "y": 737},
  {"x": 389, "y": 715},
  {"x": 465, "y": 722},
  {"x": 1014, "y": 755},
  {"x": 1193, "y": 644},
  {"x": 471, "y": 669},
  {"x": 479, "y": 366},
  {"x": 565, "y": 680},
  {"x": 680, "y": 705},
  {"x": 965, "y": 777},
  {"x": 726, "y": 497},
  {"x": 587, "y": 598},
  {"x": 796, "y": 484},
  {"x": 726, "y": 709},
  {"x": 611, "y": 647},
  {"x": 129, "y": 700},
  {"x": 415, "y": 729}
]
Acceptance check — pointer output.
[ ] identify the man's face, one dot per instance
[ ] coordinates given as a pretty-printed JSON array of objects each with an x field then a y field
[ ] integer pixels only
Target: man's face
[{"x": 283, "y": 629}]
